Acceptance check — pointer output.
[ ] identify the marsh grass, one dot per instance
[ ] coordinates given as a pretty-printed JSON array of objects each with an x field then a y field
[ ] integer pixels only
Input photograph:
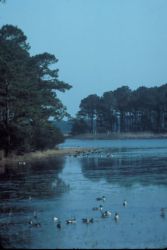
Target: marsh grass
[{"x": 39, "y": 155}]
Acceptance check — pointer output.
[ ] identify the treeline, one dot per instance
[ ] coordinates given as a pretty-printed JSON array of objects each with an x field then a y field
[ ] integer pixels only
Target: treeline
[
  {"x": 28, "y": 87},
  {"x": 123, "y": 110}
]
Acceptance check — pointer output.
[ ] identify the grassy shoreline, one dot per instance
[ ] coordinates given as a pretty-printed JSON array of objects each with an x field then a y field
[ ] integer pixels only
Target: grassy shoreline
[
  {"x": 47, "y": 154},
  {"x": 126, "y": 135},
  {"x": 40, "y": 155}
]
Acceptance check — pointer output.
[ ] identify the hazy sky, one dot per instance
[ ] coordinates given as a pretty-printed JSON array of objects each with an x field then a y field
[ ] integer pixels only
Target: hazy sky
[{"x": 101, "y": 44}]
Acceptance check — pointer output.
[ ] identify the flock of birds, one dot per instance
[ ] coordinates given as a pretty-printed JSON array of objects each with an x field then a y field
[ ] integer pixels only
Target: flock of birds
[
  {"x": 90, "y": 152},
  {"x": 104, "y": 214}
]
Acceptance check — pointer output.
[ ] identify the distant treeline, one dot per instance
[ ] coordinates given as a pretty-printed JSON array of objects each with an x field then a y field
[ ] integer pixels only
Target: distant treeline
[
  {"x": 28, "y": 87},
  {"x": 123, "y": 110}
]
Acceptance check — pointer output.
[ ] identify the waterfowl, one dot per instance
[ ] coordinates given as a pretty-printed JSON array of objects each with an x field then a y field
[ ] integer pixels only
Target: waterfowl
[
  {"x": 116, "y": 217},
  {"x": 87, "y": 220},
  {"x": 22, "y": 163},
  {"x": 30, "y": 222},
  {"x": 98, "y": 198},
  {"x": 106, "y": 214},
  {"x": 59, "y": 225},
  {"x": 162, "y": 214},
  {"x": 71, "y": 221},
  {"x": 97, "y": 208},
  {"x": 34, "y": 224},
  {"x": 37, "y": 224},
  {"x": 55, "y": 219},
  {"x": 125, "y": 203},
  {"x": 103, "y": 198}
]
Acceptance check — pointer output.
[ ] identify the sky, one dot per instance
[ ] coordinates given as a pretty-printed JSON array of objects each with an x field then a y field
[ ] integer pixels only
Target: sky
[{"x": 100, "y": 44}]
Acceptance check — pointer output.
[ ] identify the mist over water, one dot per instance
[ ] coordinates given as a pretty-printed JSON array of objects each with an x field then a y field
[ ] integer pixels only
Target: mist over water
[{"x": 67, "y": 187}]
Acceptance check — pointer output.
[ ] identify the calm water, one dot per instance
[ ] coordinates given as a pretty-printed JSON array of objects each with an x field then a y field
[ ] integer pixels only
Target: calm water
[{"x": 66, "y": 187}]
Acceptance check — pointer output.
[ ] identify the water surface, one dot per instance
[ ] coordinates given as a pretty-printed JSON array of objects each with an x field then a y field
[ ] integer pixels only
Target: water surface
[{"x": 66, "y": 187}]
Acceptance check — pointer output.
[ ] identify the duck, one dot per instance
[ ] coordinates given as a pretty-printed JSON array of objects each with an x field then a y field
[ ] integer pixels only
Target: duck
[
  {"x": 98, "y": 208},
  {"x": 87, "y": 220},
  {"x": 116, "y": 216},
  {"x": 106, "y": 214},
  {"x": 71, "y": 221},
  {"x": 125, "y": 203},
  {"x": 103, "y": 198}
]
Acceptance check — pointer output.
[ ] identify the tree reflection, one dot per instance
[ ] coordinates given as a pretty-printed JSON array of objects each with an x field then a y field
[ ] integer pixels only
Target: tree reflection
[
  {"x": 126, "y": 171},
  {"x": 33, "y": 180}
]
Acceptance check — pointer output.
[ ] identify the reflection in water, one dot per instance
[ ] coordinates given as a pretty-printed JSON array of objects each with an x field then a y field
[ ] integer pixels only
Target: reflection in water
[
  {"x": 126, "y": 171},
  {"x": 33, "y": 180},
  {"x": 32, "y": 196},
  {"x": 22, "y": 190}
]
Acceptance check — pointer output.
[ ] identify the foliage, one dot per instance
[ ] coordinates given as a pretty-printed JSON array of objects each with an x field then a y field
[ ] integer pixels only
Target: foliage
[
  {"x": 124, "y": 110},
  {"x": 28, "y": 94}
]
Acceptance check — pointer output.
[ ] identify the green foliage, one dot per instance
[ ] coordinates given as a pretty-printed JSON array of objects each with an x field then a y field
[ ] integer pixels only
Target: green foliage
[
  {"x": 79, "y": 126},
  {"x": 124, "y": 110},
  {"x": 28, "y": 94},
  {"x": 89, "y": 108},
  {"x": 45, "y": 136}
]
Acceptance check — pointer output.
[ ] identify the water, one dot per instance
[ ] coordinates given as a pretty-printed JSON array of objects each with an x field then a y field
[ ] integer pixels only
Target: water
[{"x": 66, "y": 187}]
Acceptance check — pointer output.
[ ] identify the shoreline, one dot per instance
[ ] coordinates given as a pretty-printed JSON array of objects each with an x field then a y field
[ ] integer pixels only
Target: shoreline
[
  {"x": 14, "y": 159},
  {"x": 118, "y": 136},
  {"x": 41, "y": 155}
]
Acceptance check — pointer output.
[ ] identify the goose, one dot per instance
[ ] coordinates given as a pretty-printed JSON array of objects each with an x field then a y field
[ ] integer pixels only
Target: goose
[
  {"x": 98, "y": 198},
  {"x": 103, "y": 198},
  {"x": 106, "y": 214},
  {"x": 34, "y": 224},
  {"x": 71, "y": 221},
  {"x": 116, "y": 217},
  {"x": 125, "y": 203},
  {"x": 98, "y": 208},
  {"x": 30, "y": 222},
  {"x": 87, "y": 220}
]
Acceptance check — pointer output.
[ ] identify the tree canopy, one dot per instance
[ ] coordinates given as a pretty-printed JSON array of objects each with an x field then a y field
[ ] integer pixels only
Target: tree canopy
[
  {"x": 28, "y": 94},
  {"x": 124, "y": 110}
]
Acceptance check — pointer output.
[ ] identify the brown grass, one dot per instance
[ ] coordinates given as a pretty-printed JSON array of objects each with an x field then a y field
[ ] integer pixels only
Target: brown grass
[{"x": 40, "y": 155}]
